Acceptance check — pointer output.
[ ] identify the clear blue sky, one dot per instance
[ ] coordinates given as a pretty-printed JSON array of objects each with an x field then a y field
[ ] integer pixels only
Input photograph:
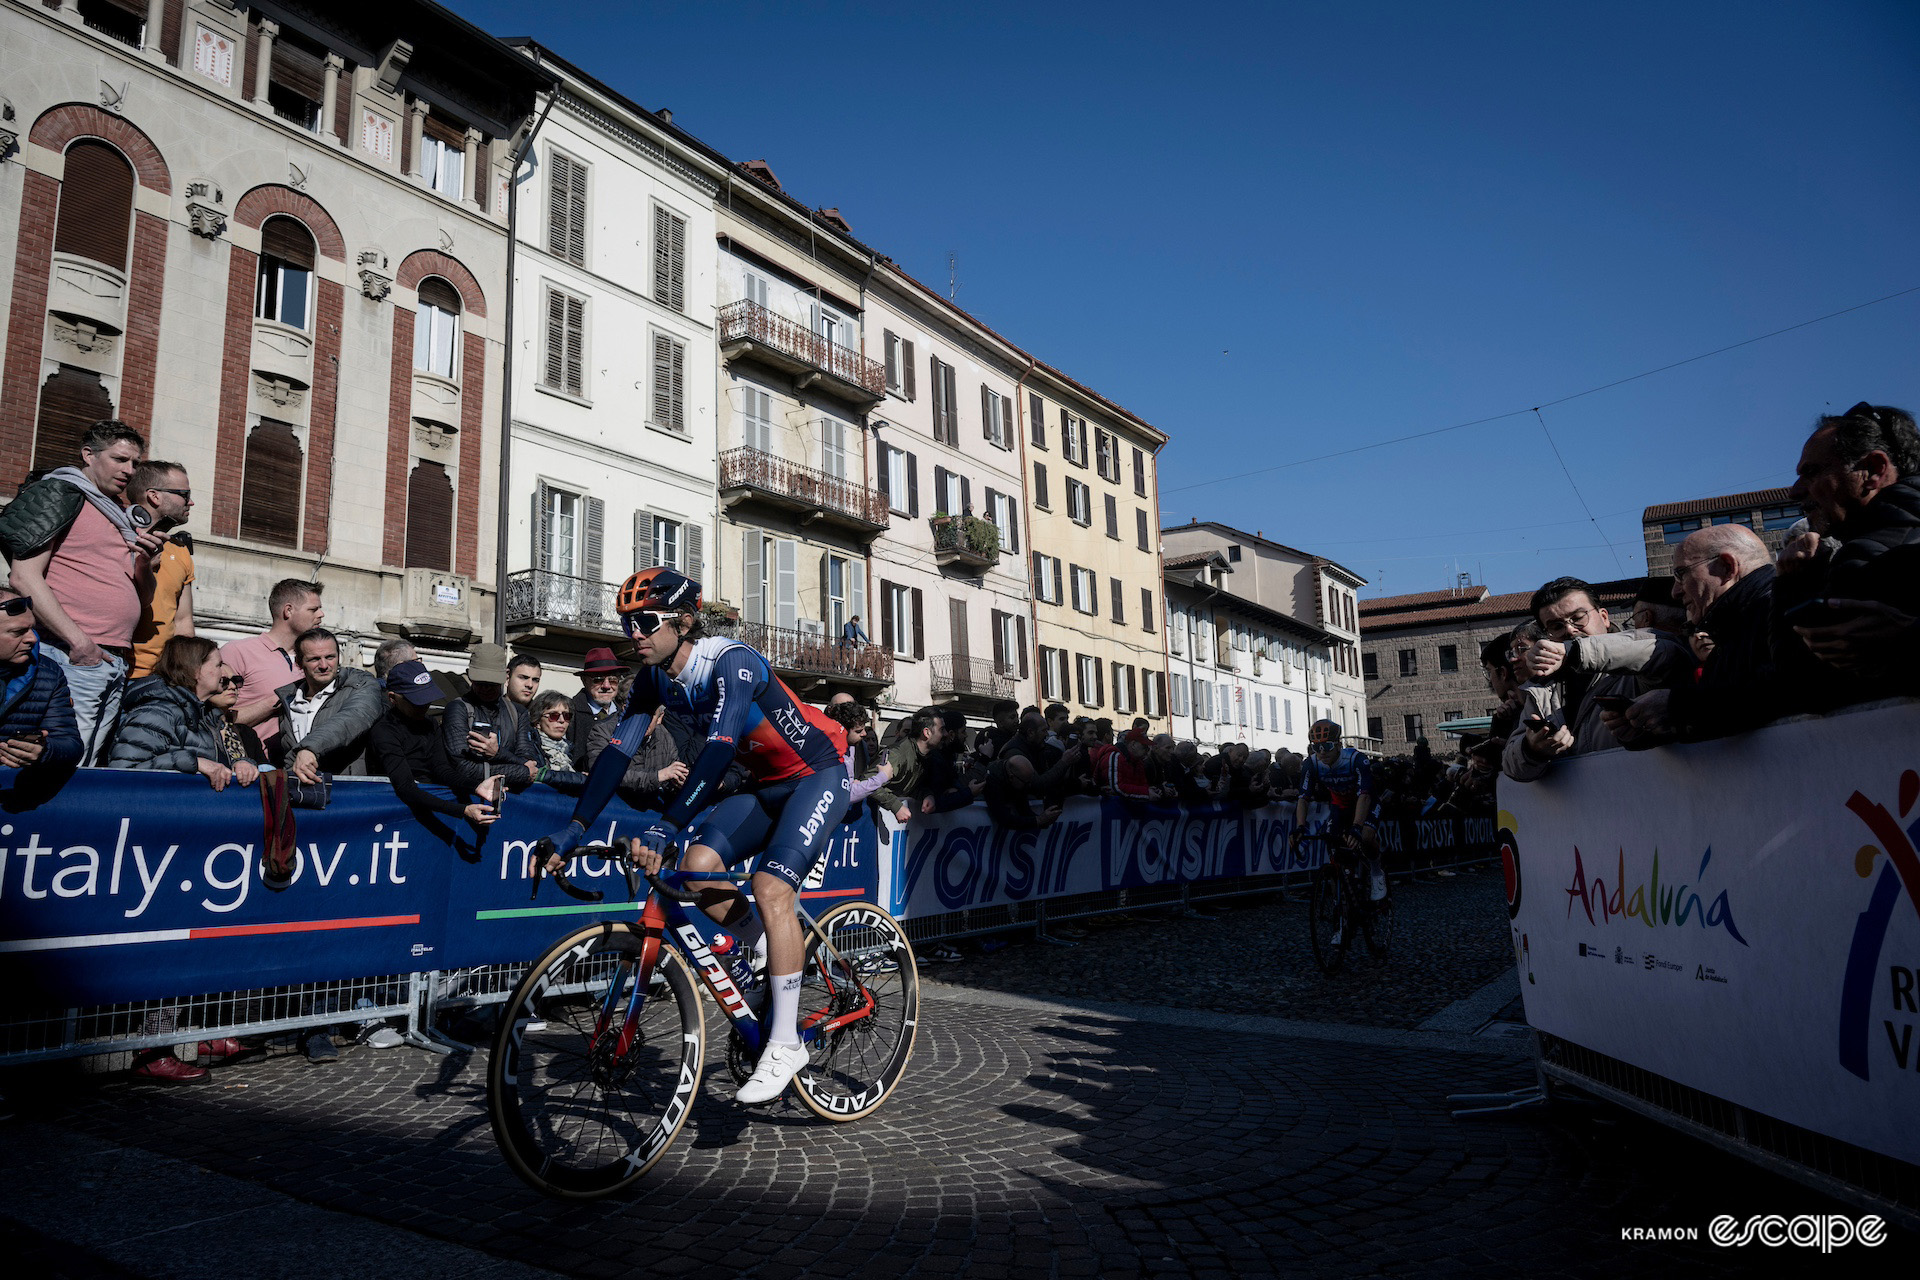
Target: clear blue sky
[{"x": 1276, "y": 231}]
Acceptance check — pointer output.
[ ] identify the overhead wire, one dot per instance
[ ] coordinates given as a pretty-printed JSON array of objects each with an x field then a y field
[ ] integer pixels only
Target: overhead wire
[{"x": 1576, "y": 493}]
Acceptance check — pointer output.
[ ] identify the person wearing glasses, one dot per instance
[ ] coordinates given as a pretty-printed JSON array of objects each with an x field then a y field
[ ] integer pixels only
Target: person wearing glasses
[
  {"x": 173, "y": 722},
  {"x": 598, "y": 698},
  {"x": 37, "y": 727},
  {"x": 166, "y": 607},
  {"x": 795, "y": 799}
]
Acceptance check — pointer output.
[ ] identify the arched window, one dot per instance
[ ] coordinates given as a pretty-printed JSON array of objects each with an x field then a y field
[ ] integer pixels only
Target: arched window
[
  {"x": 285, "y": 291},
  {"x": 270, "y": 485},
  {"x": 96, "y": 205},
  {"x": 70, "y": 401},
  {"x": 429, "y": 517},
  {"x": 436, "y": 327}
]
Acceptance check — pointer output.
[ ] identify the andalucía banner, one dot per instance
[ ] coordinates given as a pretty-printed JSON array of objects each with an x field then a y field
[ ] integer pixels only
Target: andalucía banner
[{"x": 1740, "y": 916}]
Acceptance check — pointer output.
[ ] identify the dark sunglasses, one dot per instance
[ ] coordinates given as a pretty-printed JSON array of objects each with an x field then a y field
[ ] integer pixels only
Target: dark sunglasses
[
  {"x": 15, "y": 607},
  {"x": 185, "y": 495},
  {"x": 229, "y": 682},
  {"x": 644, "y": 623},
  {"x": 558, "y": 715}
]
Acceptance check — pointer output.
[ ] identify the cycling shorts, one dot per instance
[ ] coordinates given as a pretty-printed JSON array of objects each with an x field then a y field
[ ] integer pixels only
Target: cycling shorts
[{"x": 791, "y": 821}]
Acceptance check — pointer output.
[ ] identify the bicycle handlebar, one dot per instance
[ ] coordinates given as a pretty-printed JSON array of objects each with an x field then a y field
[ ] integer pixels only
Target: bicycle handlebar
[{"x": 544, "y": 849}]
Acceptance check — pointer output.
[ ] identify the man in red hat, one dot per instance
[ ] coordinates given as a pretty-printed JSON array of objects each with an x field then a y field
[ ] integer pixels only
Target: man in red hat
[{"x": 599, "y": 683}]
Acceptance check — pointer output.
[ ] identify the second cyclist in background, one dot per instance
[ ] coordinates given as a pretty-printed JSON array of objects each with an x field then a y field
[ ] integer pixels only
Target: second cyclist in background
[{"x": 1342, "y": 778}]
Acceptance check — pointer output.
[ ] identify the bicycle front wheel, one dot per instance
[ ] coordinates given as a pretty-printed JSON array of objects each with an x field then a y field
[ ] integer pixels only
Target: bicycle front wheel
[
  {"x": 1328, "y": 925},
  {"x": 857, "y": 953},
  {"x": 592, "y": 1075}
]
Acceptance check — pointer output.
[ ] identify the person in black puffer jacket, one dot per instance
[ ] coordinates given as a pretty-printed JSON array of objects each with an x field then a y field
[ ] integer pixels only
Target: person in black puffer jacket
[
  {"x": 1859, "y": 485},
  {"x": 169, "y": 722},
  {"x": 33, "y": 701}
]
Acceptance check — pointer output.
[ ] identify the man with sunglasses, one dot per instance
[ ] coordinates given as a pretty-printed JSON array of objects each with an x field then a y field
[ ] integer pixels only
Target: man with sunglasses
[
  {"x": 796, "y": 797},
  {"x": 599, "y": 684},
  {"x": 37, "y": 727},
  {"x": 167, "y": 609}
]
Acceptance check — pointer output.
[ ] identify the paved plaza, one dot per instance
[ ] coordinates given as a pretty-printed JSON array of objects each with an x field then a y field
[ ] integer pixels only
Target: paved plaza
[{"x": 1076, "y": 1132}]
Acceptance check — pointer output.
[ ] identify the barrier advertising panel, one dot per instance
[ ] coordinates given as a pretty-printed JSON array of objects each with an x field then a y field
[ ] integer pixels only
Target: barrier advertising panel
[
  {"x": 1740, "y": 916},
  {"x": 129, "y": 885}
]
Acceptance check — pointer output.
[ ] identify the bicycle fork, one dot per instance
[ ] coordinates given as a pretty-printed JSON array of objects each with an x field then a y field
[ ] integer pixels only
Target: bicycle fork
[{"x": 653, "y": 921}]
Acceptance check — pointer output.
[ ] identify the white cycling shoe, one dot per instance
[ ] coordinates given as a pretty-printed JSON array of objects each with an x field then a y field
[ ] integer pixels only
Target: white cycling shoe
[
  {"x": 779, "y": 1063},
  {"x": 1379, "y": 885}
]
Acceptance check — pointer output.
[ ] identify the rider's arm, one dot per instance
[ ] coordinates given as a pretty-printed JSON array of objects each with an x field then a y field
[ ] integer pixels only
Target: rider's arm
[
  {"x": 603, "y": 780},
  {"x": 735, "y": 687},
  {"x": 1363, "y": 788}
]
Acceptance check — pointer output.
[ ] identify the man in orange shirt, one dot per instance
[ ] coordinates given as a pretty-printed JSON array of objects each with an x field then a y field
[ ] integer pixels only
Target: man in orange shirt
[{"x": 161, "y": 487}]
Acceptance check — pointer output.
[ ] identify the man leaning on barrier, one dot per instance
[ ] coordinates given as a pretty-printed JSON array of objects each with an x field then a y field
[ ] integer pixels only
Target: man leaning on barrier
[
  {"x": 326, "y": 715},
  {"x": 38, "y": 732}
]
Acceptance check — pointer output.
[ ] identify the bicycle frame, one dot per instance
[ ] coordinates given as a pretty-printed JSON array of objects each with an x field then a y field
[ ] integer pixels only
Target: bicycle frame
[{"x": 668, "y": 917}]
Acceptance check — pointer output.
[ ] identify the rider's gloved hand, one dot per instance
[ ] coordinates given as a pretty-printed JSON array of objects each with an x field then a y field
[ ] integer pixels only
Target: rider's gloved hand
[
  {"x": 658, "y": 837},
  {"x": 560, "y": 845}
]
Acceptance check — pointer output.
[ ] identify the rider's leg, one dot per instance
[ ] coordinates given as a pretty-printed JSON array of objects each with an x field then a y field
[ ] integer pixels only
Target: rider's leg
[
  {"x": 785, "y": 955},
  {"x": 722, "y": 836}
]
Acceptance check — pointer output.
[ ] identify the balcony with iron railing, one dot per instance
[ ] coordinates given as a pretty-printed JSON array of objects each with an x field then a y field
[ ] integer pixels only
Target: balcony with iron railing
[
  {"x": 751, "y": 473},
  {"x": 1366, "y": 746},
  {"x": 964, "y": 677},
  {"x": 967, "y": 541},
  {"x": 750, "y": 331},
  {"x": 813, "y": 656},
  {"x": 560, "y": 604}
]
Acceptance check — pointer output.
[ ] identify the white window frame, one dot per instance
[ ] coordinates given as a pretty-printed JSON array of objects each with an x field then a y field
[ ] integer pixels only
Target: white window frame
[
  {"x": 1044, "y": 566},
  {"x": 279, "y": 270},
  {"x": 1079, "y": 503},
  {"x": 670, "y": 543},
  {"x": 834, "y": 455},
  {"x": 899, "y": 494},
  {"x": 676, "y": 407},
  {"x": 900, "y": 604},
  {"x": 432, "y": 327},
  {"x": 549, "y": 291},
  {"x": 756, "y": 415},
  {"x": 1091, "y": 592}
]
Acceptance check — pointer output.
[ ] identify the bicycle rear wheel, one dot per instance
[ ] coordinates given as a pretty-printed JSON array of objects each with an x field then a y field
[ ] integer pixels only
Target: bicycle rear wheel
[
  {"x": 854, "y": 1068},
  {"x": 1328, "y": 913},
  {"x": 586, "y": 1091},
  {"x": 1379, "y": 926}
]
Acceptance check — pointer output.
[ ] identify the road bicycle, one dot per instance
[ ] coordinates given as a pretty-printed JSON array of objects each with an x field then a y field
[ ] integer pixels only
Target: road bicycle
[
  {"x": 601, "y": 1047},
  {"x": 1340, "y": 904}
]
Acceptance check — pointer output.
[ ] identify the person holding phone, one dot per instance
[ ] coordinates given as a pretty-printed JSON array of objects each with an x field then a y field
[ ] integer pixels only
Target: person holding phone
[
  {"x": 406, "y": 749},
  {"x": 37, "y": 728},
  {"x": 482, "y": 733},
  {"x": 161, "y": 489}
]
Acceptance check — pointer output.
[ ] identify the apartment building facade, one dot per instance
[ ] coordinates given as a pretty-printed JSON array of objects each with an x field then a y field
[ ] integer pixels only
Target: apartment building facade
[
  {"x": 800, "y": 507},
  {"x": 949, "y": 596},
  {"x": 615, "y": 430},
  {"x": 1237, "y": 670},
  {"x": 1305, "y": 588},
  {"x": 1768, "y": 512},
  {"x": 1093, "y": 513},
  {"x": 272, "y": 239}
]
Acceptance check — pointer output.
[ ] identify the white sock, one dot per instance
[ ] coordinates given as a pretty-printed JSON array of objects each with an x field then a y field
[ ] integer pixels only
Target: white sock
[
  {"x": 752, "y": 936},
  {"x": 783, "y": 1015}
]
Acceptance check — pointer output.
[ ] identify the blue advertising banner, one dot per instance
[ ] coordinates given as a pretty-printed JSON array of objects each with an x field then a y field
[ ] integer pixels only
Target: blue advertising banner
[{"x": 131, "y": 886}]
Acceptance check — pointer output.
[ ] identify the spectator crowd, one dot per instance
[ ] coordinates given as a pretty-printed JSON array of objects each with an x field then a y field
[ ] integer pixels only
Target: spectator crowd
[{"x": 100, "y": 664}]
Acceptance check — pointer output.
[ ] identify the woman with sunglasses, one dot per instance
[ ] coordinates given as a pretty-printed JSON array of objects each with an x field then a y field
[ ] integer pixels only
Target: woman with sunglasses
[
  {"x": 794, "y": 801},
  {"x": 173, "y": 720}
]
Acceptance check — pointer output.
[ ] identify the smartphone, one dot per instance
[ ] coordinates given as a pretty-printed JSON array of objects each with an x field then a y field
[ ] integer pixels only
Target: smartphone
[
  {"x": 1612, "y": 702},
  {"x": 28, "y": 735},
  {"x": 1816, "y": 613}
]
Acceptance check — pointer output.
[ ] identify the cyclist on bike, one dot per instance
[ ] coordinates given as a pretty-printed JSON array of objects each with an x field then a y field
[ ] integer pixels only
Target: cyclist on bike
[
  {"x": 796, "y": 798},
  {"x": 1343, "y": 778}
]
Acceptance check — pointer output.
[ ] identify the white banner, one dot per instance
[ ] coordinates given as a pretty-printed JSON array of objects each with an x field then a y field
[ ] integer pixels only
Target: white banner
[{"x": 1740, "y": 916}]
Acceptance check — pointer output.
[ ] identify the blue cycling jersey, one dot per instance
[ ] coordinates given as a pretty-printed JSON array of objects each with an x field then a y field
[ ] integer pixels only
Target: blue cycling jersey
[{"x": 1339, "y": 783}]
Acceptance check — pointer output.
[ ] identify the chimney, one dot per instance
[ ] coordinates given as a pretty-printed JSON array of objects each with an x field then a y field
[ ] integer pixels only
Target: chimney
[{"x": 666, "y": 116}]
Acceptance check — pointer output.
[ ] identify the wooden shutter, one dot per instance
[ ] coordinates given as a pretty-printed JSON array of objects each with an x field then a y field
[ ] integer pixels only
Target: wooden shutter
[
  {"x": 890, "y": 345},
  {"x": 1146, "y": 609},
  {"x": 1099, "y": 684},
  {"x": 906, "y": 363},
  {"x": 298, "y": 69},
  {"x": 1057, "y": 596},
  {"x": 574, "y": 345},
  {"x": 886, "y": 615},
  {"x": 753, "y": 606},
  {"x": 999, "y": 621},
  {"x": 342, "y": 98},
  {"x": 913, "y": 486},
  {"x": 986, "y": 413},
  {"x": 695, "y": 535},
  {"x": 966, "y": 494},
  {"x": 1118, "y": 593},
  {"x": 940, "y": 474},
  {"x": 957, "y": 629},
  {"x": 919, "y": 625},
  {"x": 786, "y": 583},
  {"x": 289, "y": 240},
  {"x": 555, "y": 374},
  {"x": 1133, "y": 695},
  {"x": 1140, "y": 528},
  {"x": 567, "y": 208},
  {"x": 1020, "y": 640},
  {"x": 429, "y": 518},
  {"x": 1140, "y": 473},
  {"x": 70, "y": 401},
  {"x": 596, "y": 539},
  {"x": 667, "y": 371},
  {"x": 1080, "y": 429},
  {"x": 542, "y": 525},
  {"x": 1113, "y": 517},
  {"x": 270, "y": 485},
  {"x": 886, "y": 475},
  {"x": 1040, "y": 485},
  {"x": 939, "y": 401},
  {"x": 669, "y": 260},
  {"x": 437, "y": 292},
  {"x": 1037, "y": 419},
  {"x": 95, "y": 219},
  {"x": 434, "y": 126}
]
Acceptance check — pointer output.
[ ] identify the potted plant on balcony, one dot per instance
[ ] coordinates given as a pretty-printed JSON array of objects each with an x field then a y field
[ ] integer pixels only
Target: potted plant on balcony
[{"x": 983, "y": 537}]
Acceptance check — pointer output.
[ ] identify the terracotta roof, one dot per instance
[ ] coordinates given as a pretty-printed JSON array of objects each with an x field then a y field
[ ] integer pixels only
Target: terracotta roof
[
  {"x": 1713, "y": 506},
  {"x": 1613, "y": 596},
  {"x": 1188, "y": 561},
  {"x": 1421, "y": 599}
]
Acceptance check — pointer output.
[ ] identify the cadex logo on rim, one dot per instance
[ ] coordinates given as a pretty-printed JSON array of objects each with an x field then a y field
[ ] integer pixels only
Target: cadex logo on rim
[{"x": 1902, "y": 867}]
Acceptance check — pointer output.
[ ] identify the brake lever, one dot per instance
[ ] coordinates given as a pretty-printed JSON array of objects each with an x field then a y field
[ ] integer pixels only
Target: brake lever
[{"x": 541, "y": 852}]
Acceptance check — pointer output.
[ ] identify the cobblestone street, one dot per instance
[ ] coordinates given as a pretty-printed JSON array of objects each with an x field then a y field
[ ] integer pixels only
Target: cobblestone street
[{"x": 1082, "y": 1133}]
